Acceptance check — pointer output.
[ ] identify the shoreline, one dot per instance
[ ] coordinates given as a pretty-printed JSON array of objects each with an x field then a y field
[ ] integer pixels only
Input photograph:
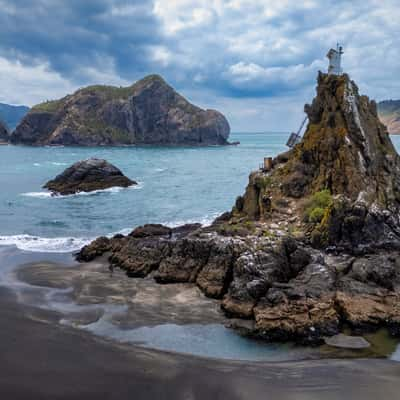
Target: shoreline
[
  {"x": 61, "y": 362},
  {"x": 139, "y": 311}
]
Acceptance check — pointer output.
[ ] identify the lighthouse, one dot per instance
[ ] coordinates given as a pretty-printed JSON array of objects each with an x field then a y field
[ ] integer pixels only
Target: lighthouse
[{"x": 335, "y": 60}]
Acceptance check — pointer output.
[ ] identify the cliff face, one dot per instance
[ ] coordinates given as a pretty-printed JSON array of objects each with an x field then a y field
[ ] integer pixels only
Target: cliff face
[
  {"x": 148, "y": 112},
  {"x": 346, "y": 151},
  {"x": 389, "y": 113},
  {"x": 3, "y": 133},
  {"x": 311, "y": 247}
]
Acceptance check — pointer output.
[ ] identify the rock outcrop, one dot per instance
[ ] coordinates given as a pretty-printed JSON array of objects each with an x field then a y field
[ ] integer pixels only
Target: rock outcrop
[
  {"x": 148, "y": 112},
  {"x": 314, "y": 243},
  {"x": 87, "y": 176},
  {"x": 4, "y": 135},
  {"x": 389, "y": 114}
]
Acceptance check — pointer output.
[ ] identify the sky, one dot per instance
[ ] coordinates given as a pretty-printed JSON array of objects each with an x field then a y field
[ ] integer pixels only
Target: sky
[{"x": 254, "y": 60}]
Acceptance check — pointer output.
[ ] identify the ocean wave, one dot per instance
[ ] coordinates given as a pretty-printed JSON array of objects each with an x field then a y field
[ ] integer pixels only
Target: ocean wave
[
  {"x": 70, "y": 244},
  {"x": 205, "y": 221},
  {"x": 44, "y": 245},
  {"x": 58, "y": 163},
  {"x": 47, "y": 194},
  {"x": 40, "y": 195}
]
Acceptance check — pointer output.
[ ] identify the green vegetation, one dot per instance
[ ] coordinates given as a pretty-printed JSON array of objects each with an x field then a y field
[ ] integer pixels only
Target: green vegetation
[
  {"x": 317, "y": 206},
  {"x": 50, "y": 106},
  {"x": 263, "y": 181}
]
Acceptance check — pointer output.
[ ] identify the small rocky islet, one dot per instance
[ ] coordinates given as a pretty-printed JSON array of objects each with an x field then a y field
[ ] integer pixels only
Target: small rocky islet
[
  {"x": 149, "y": 112},
  {"x": 313, "y": 244},
  {"x": 88, "y": 176}
]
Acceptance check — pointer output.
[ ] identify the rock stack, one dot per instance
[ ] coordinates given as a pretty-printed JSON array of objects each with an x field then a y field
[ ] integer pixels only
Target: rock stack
[{"x": 311, "y": 246}]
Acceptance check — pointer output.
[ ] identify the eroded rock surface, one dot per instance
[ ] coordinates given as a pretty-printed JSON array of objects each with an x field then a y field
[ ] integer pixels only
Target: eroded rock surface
[
  {"x": 88, "y": 175},
  {"x": 148, "y": 112},
  {"x": 313, "y": 245}
]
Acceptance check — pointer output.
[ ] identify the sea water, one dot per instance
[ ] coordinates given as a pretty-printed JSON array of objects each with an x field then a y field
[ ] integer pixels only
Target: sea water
[{"x": 176, "y": 185}]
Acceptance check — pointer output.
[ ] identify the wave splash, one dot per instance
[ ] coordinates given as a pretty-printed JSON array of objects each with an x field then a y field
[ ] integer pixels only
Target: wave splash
[
  {"x": 44, "y": 245},
  {"x": 71, "y": 244},
  {"x": 49, "y": 195}
]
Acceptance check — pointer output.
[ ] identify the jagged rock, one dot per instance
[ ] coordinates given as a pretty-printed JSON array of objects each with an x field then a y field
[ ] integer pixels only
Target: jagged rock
[
  {"x": 87, "y": 176},
  {"x": 347, "y": 151},
  {"x": 148, "y": 112},
  {"x": 95, "y": 249},
  {"x": 151, "y": 230},
  {"x": 311, "y": 246}
]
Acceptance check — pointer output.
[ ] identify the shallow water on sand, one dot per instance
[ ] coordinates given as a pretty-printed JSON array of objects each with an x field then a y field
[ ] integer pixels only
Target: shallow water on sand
[{"x": 105, "y": 315}]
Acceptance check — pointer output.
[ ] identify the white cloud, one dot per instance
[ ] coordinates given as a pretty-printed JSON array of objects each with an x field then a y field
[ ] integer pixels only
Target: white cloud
[
  {"x": 160, "y": 54},
  {"x": 30, "y": 84},
  {"x": 255, "y": 60}
]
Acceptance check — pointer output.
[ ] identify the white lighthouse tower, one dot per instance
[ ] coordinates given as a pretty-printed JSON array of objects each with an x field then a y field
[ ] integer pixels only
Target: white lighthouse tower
[{"x": 335, "y": 60}]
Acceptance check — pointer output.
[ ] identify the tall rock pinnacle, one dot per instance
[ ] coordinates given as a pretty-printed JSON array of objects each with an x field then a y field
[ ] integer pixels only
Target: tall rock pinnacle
[{"x": 346, "y": 151}]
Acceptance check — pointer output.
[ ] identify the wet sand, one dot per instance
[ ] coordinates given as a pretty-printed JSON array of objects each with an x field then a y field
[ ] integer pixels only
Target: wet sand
[{"x": 42, "y": 359}]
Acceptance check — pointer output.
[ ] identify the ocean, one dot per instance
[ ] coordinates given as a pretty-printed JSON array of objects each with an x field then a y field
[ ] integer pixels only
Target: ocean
[{"x": 176, "y": 186}]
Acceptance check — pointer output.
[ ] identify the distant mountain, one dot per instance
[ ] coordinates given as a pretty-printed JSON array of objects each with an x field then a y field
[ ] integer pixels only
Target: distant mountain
[
  {"x": 148, "y": 112},
  {"x": 12, "y": 115},
  {"x": 3, "y": 133},
  {"x": 389, "y": 113}
]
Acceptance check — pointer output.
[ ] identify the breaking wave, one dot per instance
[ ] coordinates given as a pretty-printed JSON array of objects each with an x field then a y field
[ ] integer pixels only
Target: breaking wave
[
  {"x": 44, "y": 245},
  {"x": 47, "y": 194}
]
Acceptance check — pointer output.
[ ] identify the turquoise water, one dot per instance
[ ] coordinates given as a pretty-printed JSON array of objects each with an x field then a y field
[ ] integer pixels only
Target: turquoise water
[{"x": 176, "y": 185}]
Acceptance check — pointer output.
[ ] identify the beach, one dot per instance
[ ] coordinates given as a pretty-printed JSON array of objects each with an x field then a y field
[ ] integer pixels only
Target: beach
[{"x": 43, "y": 360}]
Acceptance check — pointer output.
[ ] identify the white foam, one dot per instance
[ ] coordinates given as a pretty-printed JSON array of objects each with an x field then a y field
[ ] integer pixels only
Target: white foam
[
  {"x": 40, "y": 195},
  {"x": 59, "y": 163},
  {"x": 48, "y": 194},
  {"x": 45, "y": 245},
  {"x": 205, "y": 221}
]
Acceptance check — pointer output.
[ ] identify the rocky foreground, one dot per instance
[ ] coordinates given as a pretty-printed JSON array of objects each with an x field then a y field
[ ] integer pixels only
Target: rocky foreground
[
  {"x": 148, "y": 112},
  {"x": 313, "y": 244},
  {"x": 87, "y": 176}
]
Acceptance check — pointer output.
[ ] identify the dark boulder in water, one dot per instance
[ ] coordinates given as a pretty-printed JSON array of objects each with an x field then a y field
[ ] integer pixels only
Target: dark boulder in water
[{"x": 87, "y": 176}]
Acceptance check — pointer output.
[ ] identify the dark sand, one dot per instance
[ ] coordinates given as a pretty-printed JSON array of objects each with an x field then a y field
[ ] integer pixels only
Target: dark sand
[{"x": 44, "y": 360}]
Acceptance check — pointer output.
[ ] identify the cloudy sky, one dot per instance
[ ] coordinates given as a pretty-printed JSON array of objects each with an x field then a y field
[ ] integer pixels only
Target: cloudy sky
[{"x": 254, "y": 60}]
